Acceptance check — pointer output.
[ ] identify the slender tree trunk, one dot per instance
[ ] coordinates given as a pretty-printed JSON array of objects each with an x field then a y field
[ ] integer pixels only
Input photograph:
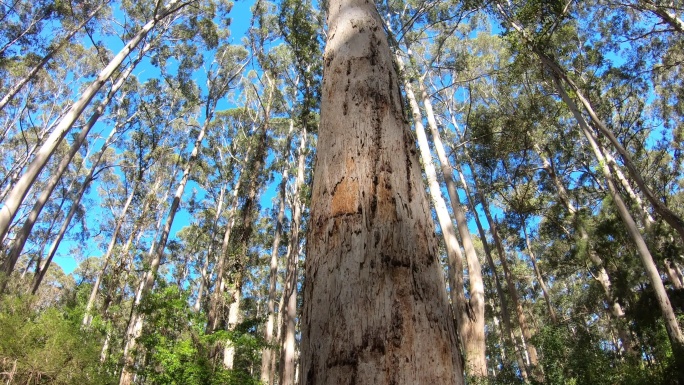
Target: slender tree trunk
[
  {"x": 205, "y": 266},
  {"x": 87, "y": 316},
  {"x": 279, "y": 329},
  {"x": 289, "y": 310},
  {"x": 18, "y": 193},
  {"x": 215, "y": 301},
  {"x": 476, "y": 303},
  {"x": 602, "y": 276},
  {"x": 535, "y": 370},
  {"x": 646, "y": 218},
  {"x": 239, "y": 266},
  {"x": 673, "y": 331},
  {"x": 505, "y": 314},
  {"x": 469, "y": 320},
  {"x": 674, "y": 274},
  {"x": 561, "y": 75},
  {"x": 375, "y": 308},
  {"x": 233, "y": 319},
  {"x": 32, "y": 73},
  {"x": 156, "y": 254},
  {"x": 668, "y": 215},
  {"x": 540, "y": 278},
  {"x": 40, "y": 273},
  {"x": 11, "y": 178},
  {"x": 267, "y": 352},
  {"x": 23, "y": 235}
]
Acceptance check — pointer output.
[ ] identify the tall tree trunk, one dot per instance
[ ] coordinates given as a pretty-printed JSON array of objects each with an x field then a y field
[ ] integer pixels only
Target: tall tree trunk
[
  {"x": 540, "y": 278},
  {"x": 602, "y": 276},
  {"x": 215, "y": 301},
  {"x": 239, "y": 263},
  {"x": 14, "y": 173},
  {"x": 646, "y": 218},
  {"x": 508, "y": 335},
  {"x": 18, "y": 193},
  {"x": 535, "y": 370},
  {"x": 40, "y": 273},
  {"x": 673, "y": 331},
  {"x": 560, "y": 75},
  {"x": 136, "y": 322},
  {"x": 23, "y": 235},
  {"x": 476, "y": 303},
  {"x": 375, "y": 306},
  {"x": 267, "y": 352},
  {"x": 470, "y": 322},
  {"x": 205, "y": 266},
  {"x": 278, "y": 327},
  {"x": 87, "y": 316},
  {"x": 289, "y": 310},
  {"x": 674, "y": 275}
]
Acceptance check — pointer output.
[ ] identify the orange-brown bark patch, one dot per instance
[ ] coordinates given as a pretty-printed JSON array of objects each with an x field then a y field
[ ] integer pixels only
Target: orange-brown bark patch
[{"x": 345, "y": 197}]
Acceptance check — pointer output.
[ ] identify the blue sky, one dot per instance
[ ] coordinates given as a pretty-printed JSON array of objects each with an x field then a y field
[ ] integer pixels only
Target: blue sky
[{"x": 240, "y": 22}]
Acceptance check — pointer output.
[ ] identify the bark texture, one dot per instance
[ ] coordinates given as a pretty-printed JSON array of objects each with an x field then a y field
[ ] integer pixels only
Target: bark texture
[{"x": 375, "y": 308}]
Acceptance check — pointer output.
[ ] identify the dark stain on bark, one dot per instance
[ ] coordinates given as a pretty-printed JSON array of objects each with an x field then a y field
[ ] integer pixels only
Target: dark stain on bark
[
  {"x": 397, "y": 324},
  {"x": 408, "y": 144},
  {"x": 373, "y": 341}
]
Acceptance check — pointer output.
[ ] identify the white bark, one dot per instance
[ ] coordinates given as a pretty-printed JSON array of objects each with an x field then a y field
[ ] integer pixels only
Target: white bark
[
  {"x": 23, "y": 235},
  {"x": 40, "y": 273},
  {"x": 530, "y": 351},
  {"x": 16, "y": 196},
  {"x": 267, "y": 352},
  {"x": 87, "y": 316},
  {"x": 215, "y": 301},
  {"x": 475, "y": 354},
  {"x": 289, "y": 310},
  {"x": 470, "y": 330},
  {"x": 205, "y": 266}
]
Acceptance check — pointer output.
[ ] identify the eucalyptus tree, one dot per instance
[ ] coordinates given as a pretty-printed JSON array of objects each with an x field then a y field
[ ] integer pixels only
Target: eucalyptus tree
[
  {"x": 255, "y": 178},
  {"x": 282, "y": 62},
  {"x": 231, "y": 121},
  {"x": 371, "y": 255},
  {"x": 299, "y": 24},
  {"x": 91, "y": 175},
  {"x": 161, "y": 15},
  {"x": 469, "y": 313},
  {"x": 87, "y": 13},
  {"x": 20, "y": 240},
  {"x": 28, "y": 123},
  {"x": 556, "y": 13},
  {"x": 226, "y": 68}
]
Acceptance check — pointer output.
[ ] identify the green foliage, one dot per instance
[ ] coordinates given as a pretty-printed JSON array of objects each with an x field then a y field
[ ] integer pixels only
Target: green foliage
[
  {"x": 573, "y": 354},
  {"x": 48, "y": 346},
  {"x": 179, "y": 351}
]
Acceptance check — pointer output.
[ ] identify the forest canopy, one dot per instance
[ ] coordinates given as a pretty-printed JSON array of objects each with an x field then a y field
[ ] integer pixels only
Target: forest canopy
[{"x": 203, "y": 192}]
